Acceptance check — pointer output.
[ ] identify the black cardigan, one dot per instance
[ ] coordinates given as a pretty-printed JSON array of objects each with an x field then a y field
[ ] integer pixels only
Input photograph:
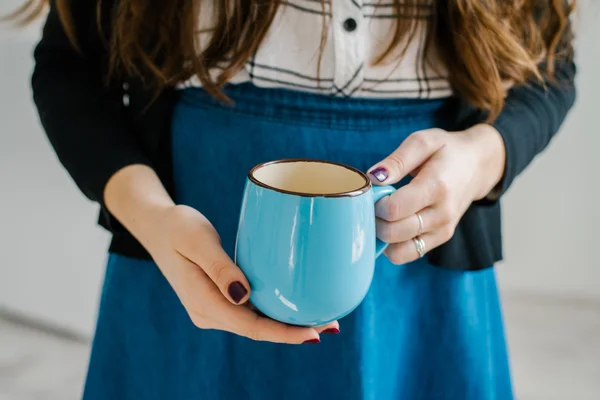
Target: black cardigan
[{"x": 95, "y": 134}]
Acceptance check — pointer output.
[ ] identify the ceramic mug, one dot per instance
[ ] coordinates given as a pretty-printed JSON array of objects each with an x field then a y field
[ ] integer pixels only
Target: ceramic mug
[{"x": 306, "y": 239}]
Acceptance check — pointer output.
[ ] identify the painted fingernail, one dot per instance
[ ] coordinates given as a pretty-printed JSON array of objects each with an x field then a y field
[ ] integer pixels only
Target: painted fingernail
[
  {"x": 312, "y": 341},
  {"x": 331, "y": 331},
  {"x": 237, "y": 291},
  {"x": 380, "y": 173}
]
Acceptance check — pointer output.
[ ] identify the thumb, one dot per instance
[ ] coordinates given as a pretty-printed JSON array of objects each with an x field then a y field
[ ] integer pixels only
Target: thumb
[
  {"x": 410, "y": 155},
  {"x": 221, "y": 270}
]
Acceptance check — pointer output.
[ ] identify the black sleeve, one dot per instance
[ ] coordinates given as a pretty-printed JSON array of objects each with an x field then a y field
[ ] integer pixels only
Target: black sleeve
[
  {"x": 84, "y": 121},
  {"x": 531, "y": 116}
]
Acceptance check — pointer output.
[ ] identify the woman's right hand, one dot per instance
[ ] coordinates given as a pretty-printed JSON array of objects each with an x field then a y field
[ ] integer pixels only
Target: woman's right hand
[
  {"x": 188, "y": 251},
  {"x": 211, "y": 287}
]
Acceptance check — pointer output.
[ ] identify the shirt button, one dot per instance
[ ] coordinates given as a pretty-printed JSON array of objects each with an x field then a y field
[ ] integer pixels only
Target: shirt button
[{"x": 350, "y": 24}]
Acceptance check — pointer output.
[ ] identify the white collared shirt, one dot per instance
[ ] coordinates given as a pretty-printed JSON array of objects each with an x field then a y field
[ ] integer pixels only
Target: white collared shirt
[{"x": 358, "y": 32}]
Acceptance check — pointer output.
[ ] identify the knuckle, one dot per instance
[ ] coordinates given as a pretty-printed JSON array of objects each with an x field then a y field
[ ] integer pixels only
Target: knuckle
[
  {"x": 423, "y": 140},
  {"x": 385, "y": 231},
  {"x": 392, "y": 210},
  {"x": 437, "y": 132},
  {"x": 440, "y": 188},
  {"x": 446, "y": 214},
  {"x": 178, "y": 212},
  {"x": 419, "y": 137},
  {"x": 218, "y": 271},
  {"x": 445, "y": 219},
  {"x": 176, "y": 215},
  {"x": 397, "y": 161},
  {"x": 447, "y": 232}
]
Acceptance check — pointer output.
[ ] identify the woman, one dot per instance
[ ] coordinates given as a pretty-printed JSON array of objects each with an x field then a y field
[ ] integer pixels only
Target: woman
[{"x": 159, "y": 109}]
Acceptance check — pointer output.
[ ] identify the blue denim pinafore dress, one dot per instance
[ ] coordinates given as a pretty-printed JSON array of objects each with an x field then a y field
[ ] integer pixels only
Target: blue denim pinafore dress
[{"x": 422, "y": 333}]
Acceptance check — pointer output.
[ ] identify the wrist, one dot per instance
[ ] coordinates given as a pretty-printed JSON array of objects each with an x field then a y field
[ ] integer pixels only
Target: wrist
[
  {"x": 491, "y": 157},
  {"x": 136, "y": 197}
]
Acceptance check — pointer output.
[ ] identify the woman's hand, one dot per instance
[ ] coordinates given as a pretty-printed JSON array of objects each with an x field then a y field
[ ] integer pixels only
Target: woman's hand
[
  {"x": 188, "y": 251},
  {"x": 210, "y": 286},
  {"x": 451, "y": 170}
]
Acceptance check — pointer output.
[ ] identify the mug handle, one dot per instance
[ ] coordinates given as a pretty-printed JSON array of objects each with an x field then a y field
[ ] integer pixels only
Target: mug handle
[{"x": 378, "y": 193}]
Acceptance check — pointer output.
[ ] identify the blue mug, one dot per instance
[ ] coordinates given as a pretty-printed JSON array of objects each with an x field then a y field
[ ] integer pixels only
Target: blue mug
[{"x": 306, "y": 239}]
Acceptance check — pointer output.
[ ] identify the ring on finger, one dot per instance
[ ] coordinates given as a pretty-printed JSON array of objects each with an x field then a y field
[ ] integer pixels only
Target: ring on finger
[
  {"x": 419, "y": 245},
  {"x": 420, "y": 223}
]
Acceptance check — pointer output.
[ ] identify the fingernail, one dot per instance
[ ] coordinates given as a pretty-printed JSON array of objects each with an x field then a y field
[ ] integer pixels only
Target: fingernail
[
  {"x": 237, "y": 291},
  {"x": 312, "y": 341},
  {"x": 331, "y": 331},
  {"x": 380, "y": 173}
]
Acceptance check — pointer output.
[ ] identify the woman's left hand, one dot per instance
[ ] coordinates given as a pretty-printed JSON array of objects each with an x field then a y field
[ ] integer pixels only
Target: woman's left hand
[{"x": 451, "y": 170}]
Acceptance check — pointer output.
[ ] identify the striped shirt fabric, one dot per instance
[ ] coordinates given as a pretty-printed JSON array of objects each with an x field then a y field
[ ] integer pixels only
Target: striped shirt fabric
[{"x": 358, "y": 31}]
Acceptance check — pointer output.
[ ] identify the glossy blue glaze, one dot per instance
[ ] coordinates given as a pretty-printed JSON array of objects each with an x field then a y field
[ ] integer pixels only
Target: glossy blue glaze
[
  {"x": 309, "y": 260},
  {"x": 378, "y": 193}
]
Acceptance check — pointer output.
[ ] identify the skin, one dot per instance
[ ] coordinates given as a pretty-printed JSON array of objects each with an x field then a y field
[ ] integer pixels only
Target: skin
[{"x": 450, "y": 170}]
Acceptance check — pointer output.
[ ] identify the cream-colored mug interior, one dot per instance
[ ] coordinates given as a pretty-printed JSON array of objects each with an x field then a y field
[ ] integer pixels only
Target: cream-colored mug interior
[{"x": 310, "y": 177}]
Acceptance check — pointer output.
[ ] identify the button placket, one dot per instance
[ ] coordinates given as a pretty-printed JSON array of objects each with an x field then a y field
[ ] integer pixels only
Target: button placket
[{"x": 349, "y": 45}]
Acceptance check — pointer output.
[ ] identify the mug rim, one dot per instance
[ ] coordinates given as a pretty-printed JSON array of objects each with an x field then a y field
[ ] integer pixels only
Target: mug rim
[{"x": 352, "y": 193}]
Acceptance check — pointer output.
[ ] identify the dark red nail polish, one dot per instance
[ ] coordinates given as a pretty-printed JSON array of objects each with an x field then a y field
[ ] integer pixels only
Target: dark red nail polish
[
  {"x": 331, "y": 331},
  {"x": 312, "y": 341},
  {"x": 380, "y": 173},
  {"x": 237, "y": 291}
]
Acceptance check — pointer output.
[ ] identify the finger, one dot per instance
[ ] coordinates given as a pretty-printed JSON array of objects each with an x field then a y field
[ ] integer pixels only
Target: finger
[
  {"x": 208, "y": 309},
  {"x": 414, "y": 151},
  {"x": 426, "y": 189},
  {"x": 220, "y": 268},
  {"x": 408, "y": 200},
  {"x": 407, "y": 228},
  {"x": 242, "y": 321},
  {"x": 331, "y": 328},
  {"x": 253, "y": 308},
  {"x": 405, "y": 252}
]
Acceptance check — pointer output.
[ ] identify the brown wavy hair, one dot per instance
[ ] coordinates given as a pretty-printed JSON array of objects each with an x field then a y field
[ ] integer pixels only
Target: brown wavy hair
[{"x": 483, "y": 43}]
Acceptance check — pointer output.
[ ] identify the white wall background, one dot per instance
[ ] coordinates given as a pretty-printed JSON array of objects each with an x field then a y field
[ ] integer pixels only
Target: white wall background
[
  {"x": 552, "y": 214},
  {"x": 52, "y": 253}
]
